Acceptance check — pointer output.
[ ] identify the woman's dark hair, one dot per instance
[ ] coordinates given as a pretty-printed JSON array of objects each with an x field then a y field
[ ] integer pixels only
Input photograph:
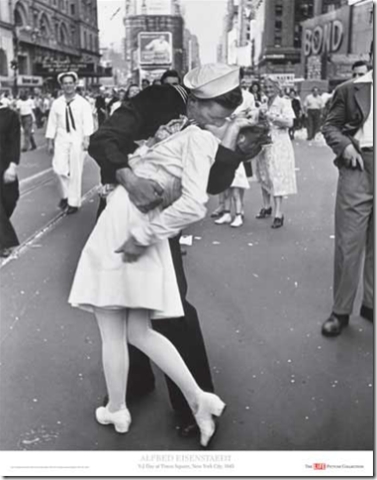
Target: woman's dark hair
[
  {"x": 256, "y": 94},
  {"x": 231, "y": 100}
]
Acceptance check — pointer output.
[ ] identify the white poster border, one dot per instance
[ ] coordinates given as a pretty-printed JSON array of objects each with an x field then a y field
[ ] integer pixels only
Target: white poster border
[{"x": 187, "y": 463}]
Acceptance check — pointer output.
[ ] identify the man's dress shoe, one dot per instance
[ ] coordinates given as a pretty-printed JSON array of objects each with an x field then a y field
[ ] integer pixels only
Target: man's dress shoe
[
  {"x": 71, "y": 210},
  {"x": 334, "y": 325}
]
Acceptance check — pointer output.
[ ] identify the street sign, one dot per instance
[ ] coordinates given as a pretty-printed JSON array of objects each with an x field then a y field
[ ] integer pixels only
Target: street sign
[
  {"x": 29, "y": 81},
  {"x": 283, "y": 77},
  {"x": 50, "y": 68}
]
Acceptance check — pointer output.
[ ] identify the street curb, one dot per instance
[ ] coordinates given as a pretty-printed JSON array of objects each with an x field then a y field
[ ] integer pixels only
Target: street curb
[{"x": 23, "y": 247}]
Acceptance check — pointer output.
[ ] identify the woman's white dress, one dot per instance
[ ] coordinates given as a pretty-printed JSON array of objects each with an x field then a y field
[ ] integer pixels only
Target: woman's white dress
[
  {"x": 181, "y": 165},
  {"x": 275, "y": 164}
]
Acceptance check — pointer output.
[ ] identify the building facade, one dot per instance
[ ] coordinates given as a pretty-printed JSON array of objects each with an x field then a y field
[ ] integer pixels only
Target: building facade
[
  {"x": 156, "y": 40},
  {"x": 191, "y": 51},
  {"x": 49, "y": 36},
  {"x": 276, "y": 35},
  {"x": 235, "y": 42},
  {"x": 6, "y": 44}
]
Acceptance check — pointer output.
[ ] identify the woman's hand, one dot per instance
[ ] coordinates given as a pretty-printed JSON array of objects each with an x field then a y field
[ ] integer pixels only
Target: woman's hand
[
  {"x": 130, "y": 250},
  {"x": 50, "y": 146},
  {"x": 231, "y": 130}
]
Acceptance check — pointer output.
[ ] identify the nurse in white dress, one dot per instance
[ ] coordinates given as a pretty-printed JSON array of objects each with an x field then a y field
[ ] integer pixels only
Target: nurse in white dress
[{"x": 125, "y": 274}]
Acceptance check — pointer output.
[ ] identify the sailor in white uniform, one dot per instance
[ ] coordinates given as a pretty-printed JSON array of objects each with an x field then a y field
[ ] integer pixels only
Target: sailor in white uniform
[{"x": 69, "y": 127}]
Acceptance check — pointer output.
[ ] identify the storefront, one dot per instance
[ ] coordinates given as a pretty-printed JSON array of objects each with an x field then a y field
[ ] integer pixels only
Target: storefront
[{"x": 90, "y": 72}]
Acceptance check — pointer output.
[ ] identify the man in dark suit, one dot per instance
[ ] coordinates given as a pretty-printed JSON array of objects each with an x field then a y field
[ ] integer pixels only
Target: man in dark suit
[
  {"x": 348, "y": 130},
  {"x": 10, "y": 132},
  {"x": 137, "y": 119}
]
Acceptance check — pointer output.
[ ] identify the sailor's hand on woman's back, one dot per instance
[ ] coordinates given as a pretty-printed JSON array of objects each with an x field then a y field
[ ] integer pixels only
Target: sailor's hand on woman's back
[
  {"x": 145, "y": 194},
  {"x": 130, "y": 250}
]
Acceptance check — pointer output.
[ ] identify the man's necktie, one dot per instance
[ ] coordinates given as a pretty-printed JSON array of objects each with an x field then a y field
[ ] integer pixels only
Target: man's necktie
[{"x": 68, "y": 113}]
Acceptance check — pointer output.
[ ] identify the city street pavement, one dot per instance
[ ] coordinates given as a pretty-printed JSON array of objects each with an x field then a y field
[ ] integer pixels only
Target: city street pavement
[
  {"x": 262, "y": 295},
  {"x": 38, "y": 206}
]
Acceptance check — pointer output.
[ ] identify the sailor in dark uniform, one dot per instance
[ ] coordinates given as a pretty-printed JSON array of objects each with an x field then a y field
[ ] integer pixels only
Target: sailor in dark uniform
[{"x": 10, "y": 132}]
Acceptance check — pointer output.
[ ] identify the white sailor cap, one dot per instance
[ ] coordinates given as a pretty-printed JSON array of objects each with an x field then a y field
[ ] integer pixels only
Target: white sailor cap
[
  {"x": 67, "y": 74},
  {"x": 212, "y": 80}
]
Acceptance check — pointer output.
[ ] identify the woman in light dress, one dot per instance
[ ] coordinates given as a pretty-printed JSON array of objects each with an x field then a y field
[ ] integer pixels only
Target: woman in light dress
[
  {"x": 125, "y": 274},
  {"x": 275, "y": 165}
]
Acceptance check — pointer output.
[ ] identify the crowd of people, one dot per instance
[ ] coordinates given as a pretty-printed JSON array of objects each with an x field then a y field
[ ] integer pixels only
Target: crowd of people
[{"x": 161, "y": 151}]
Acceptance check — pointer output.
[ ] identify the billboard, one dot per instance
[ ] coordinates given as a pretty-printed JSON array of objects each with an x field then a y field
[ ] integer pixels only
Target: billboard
[
  {"x": 155, "y": 48},
  {"x": 326, "y": 33}
]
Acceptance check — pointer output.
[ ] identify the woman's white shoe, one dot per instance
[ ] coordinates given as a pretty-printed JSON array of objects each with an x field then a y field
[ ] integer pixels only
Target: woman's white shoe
[
  {"x": 237, "y": 222},
  {"x": 120, "y": 419},
  {"x": 225, "y": 218},
  {"x": 209, "y": 406}
]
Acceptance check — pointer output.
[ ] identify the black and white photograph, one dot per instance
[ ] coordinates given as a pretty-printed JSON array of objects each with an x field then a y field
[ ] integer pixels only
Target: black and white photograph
[{"x": 187, "y": 238}]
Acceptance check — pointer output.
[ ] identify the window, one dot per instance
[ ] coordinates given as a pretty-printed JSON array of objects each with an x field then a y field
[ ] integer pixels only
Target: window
[
  {"x": 278, "y": 32},
  {"x": 85, "y": 41},
  {"x": 35, "y": 17},
  {"x": 22, "y": 65},
  {"x": 44, "y": 27},
  {"x": 73, "y": 9},
  {"x": 278, "y": 8},
  {"x": 304, "y": 9},
  {"x": 297, "y": 36},
  {"x": 63, "y": 34},
  {"x": 18, "y": 20}
]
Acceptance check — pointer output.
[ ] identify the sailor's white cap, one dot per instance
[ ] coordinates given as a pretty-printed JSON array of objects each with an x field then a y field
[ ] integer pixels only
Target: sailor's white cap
[
  {"x": 67, "y": 74},
  {"x": 212, "y": 80}
]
